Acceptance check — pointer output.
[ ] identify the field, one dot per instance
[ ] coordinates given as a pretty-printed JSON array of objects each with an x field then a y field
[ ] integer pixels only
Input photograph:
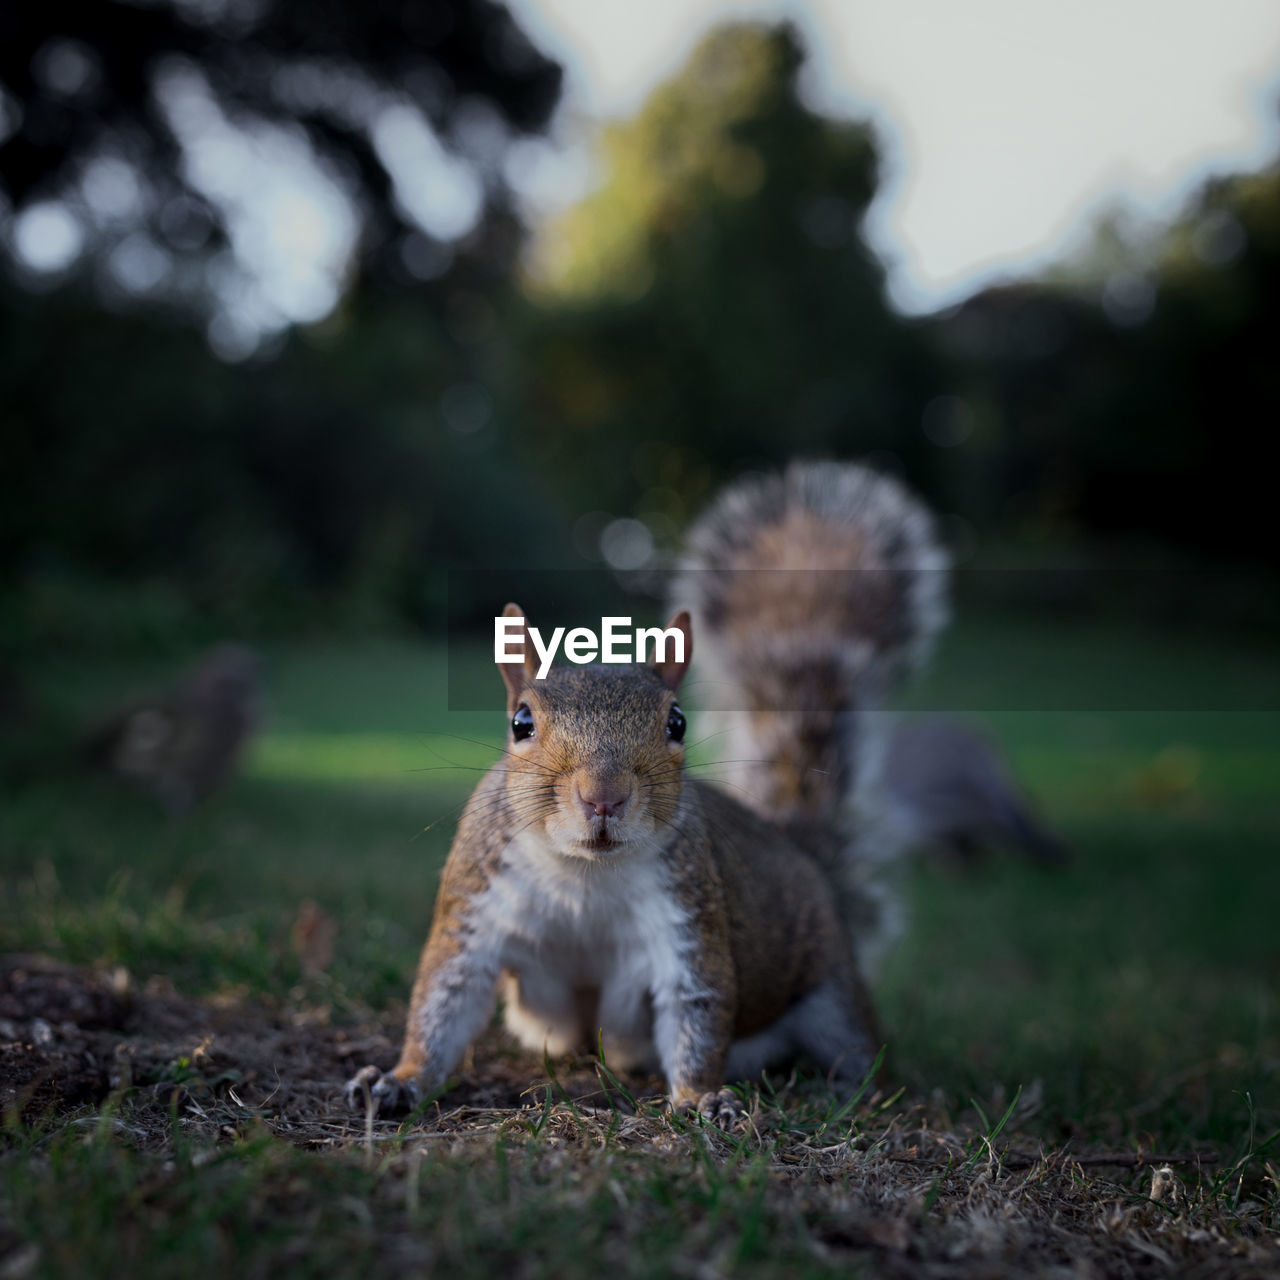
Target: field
[{"x": 180, "y": 1002}]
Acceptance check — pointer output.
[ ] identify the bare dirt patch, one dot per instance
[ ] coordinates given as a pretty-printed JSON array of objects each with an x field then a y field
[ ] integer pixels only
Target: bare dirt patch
[
  {"x": 891, "y": 1183},
  {"x": 72, "y": 1037}
]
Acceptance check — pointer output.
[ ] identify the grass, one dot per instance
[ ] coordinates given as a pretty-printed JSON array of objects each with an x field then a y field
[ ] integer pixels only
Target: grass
[{"x": 1124, "y": 1003}]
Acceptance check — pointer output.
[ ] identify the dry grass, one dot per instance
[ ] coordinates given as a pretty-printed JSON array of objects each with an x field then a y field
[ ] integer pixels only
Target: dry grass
[{"x": 146, "y": 1132}]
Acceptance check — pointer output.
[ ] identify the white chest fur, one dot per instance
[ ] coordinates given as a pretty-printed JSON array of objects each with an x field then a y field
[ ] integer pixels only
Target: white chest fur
[{"x": 585, "y": 947}]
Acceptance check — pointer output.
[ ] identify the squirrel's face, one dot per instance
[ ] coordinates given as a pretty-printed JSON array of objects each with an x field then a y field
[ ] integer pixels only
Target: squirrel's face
[
  {"x": 595, "y": 754},
  {"x": 595, "y": 759}
]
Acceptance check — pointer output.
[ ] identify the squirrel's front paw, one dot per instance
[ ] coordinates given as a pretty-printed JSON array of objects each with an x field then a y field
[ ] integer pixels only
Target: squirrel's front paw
[
  {"x": 384, "y": 1091},
  {"x": 721, "y": 1107}
]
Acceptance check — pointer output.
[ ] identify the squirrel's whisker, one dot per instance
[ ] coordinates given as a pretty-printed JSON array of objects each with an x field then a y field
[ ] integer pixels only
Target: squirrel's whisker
[{"x": 700, "y": 913}]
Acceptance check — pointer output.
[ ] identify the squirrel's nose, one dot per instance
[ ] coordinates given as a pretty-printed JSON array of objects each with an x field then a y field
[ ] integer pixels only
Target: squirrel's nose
[{"x": 602, "y": 799}]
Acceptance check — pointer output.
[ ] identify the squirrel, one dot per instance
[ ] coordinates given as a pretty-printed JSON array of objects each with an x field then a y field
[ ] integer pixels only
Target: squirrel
[
  {"x": 614, "y": 898},
  {"x": 184, "y": 744},
  {"x": 945, "y": 783}
]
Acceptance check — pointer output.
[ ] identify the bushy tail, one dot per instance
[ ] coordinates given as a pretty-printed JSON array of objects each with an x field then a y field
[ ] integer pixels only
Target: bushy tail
[{"x": 812, "y": 592}]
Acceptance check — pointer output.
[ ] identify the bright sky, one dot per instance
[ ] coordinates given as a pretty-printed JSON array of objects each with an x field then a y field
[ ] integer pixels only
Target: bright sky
[{"x": 1008, "y": 124}]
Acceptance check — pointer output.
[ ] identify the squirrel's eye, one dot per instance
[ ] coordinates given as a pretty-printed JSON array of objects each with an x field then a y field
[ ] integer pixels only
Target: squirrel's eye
[
  {"x": 675, "y": 724},
  {"x": 522, "y": 723}
]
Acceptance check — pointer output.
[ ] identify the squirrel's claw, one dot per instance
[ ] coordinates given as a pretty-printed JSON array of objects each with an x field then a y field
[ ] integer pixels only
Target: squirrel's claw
[
  {"x": 381, "y": 1090},
  {"x": 721, "y": 1107}
]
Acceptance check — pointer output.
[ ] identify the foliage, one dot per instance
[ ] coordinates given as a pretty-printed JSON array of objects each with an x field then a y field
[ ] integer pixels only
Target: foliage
[
  {"x": 88, "y": 82},
  {"x": 1130, "y": 403},
  {"x": 711, "y": 308},
  {"x": 714, "y": 304},
  {"x": 177, "y": 498},
  {"x": 153, "y": 495}
]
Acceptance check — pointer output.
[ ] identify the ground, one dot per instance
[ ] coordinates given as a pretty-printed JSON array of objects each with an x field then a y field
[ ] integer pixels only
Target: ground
[{"x": 181, "y": 1001}]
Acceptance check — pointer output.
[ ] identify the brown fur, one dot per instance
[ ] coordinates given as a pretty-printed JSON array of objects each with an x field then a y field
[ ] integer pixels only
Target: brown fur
[
  {"x": 785, "y": 933},
  {"x": 480, "y": 842},
  {"x": 812, "y": 590},
  {"x": 608, "y": 895},
  {"x": 763, "y": 930}
]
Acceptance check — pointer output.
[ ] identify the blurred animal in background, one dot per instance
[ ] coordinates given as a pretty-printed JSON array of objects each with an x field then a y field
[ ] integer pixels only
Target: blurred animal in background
[
  {"x": 945, "y": 784},
  {"x": 185, "y": 743}
]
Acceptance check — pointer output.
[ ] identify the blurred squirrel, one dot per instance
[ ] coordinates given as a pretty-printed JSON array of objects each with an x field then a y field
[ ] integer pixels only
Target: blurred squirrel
[
  {"x": 184, "y": 744},
  {"x": 614, "y": 898},
  {"x": 945, "y": 784}
]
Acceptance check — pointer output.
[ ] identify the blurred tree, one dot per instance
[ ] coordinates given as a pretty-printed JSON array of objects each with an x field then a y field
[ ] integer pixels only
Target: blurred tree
[
  {"x": 153, "y": 134},
  {"x": 157, "y": 496},
  {"x": 1209, "y": 355},
  {"x": 715, "y": 303},
  {"x": 1129, "y": 398},
  {"x": 160, "y": 162},
  {"x": 712, "y": 306}
]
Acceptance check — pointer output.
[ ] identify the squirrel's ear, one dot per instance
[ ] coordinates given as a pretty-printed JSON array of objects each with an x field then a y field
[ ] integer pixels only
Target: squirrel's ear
[
  {"x": 517, "y": 675},
  {"x": 672, "y": 671}
]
